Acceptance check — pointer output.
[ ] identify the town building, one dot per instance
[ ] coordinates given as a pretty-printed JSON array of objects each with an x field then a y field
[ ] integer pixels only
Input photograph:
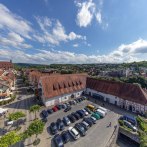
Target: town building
[
  {"x": 128, "y": 96},
  {"x": 34, "y": 76},
  {"x": 56, "y": 89},
  {"x": 6, "y": 65}
]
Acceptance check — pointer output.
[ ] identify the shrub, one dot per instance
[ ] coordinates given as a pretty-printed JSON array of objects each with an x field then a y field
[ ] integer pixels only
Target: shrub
[{"x": 121, "y": 122}]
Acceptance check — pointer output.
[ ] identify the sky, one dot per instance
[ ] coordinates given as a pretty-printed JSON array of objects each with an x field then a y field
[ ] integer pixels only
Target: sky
[{"x": 73, "y": 31}]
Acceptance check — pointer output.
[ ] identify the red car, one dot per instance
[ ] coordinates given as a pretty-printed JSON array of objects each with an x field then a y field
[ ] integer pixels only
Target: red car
[{"x": 55, "y": 109}]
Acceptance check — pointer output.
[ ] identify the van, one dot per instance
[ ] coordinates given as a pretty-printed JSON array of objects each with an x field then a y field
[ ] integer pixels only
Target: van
[
  {"x": 101, "y": 113},
  {"x": 103, "y": 109},
  {"x": 91, "y": 107}
]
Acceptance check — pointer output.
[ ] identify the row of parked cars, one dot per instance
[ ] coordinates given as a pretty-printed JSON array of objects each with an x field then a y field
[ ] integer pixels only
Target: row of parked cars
[
  {"x": 79, "y": 128},
  {"x": 65, "y": 106}
]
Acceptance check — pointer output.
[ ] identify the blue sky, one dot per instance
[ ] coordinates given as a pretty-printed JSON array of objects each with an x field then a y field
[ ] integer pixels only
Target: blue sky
[{"x": 73, "y": 31}]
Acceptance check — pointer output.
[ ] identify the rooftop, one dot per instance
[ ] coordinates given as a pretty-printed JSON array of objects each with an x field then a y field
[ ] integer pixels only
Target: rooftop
[{"x": 131, "y": 92}]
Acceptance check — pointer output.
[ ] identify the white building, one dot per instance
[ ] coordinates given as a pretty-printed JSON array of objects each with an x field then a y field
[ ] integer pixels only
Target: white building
[
  {"x": 128, "y": 96},
  {"x": 60, "y": 88}
]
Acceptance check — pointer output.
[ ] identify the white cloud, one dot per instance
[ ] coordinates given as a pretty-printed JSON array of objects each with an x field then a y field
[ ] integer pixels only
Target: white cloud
[
  {"x": 14, "y": 40},
  {"x": 137, "y": 51},
  {"x": 13, "y": 22},
  {"x": 98, "y": 17},
  {"x": 85, "y": 13},
  {"x": 88, "y": 10},
  {"x": 54, "y": 32},
  {"x": 75, "y": 45}
]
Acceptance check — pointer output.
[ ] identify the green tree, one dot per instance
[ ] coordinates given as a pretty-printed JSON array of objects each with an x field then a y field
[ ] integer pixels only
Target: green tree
[
  {"x": 35, "y": 128},
  {"x": 9, "y": 139},
  {"x": 16, "y": 116},
  {"x": 34, "y": 109}
]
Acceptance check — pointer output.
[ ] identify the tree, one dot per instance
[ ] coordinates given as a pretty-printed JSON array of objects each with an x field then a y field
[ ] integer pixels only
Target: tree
[
  {"x": 9, "y": 139},
  {"x": 34, "y": 109},
  {"x": 16, "y": 116},
  {"x": 35, "y": 128}
]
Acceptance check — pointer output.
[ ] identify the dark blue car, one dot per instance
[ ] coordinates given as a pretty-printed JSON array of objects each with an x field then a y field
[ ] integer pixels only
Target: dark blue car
[
  {"x": 44, "y": 113},
  {"x": 58, "y": 141}
]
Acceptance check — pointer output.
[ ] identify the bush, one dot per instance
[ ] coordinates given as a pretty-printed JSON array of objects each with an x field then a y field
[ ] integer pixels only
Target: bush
[
  {"x": 121, "y": 122},
  {"x": 142, "y": 123}
]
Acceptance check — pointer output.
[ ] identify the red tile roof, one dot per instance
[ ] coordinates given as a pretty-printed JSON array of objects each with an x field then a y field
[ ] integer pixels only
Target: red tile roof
[
  {"x": 6, "y": 65},
  {"x": 1, "y": 72},
  {"x": 56, "y": 85},
  {"x": 130, "y": 92},
  {"x": 35, "y": 75}
]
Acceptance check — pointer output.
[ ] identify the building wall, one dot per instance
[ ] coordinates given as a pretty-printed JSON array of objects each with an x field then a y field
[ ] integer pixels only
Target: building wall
[
  {"x": 60, "y": 99},
  {"x": 128, "y": 105}
]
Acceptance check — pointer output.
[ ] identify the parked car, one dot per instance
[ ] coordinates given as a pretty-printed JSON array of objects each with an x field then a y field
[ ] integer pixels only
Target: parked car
[
  {"x": 50, "y": 111},
  {"x": 44, "y": 113},
  {"x": 85, "y": 125},
  {"x": 93, "y": 119},
  {"x": 59, "y": 106},
  {"x": 55, "y": 109},
  {"x": 74, "y": 133},
  {"x": 71, "y": 118},
  {"x": 101, "y": 113},
  {"x": 86, "y": 113},
  {"x": 130, "y": 119},
  {"x": 9, "y": 123},
  {"x": 103, "y": 109},
  {"x": 74, "y": 102},
  {"x": 44, "y": 119},
  {"x": 88, "y": 120},
  {"x": 81, "y": 129},
  {"x": 77, "y": 101},
  {"x": 70, "y": 102},
  {"x": 129, "y": 125},
  {"x": 60, "y": 124},
  {"x": 65, "y": 136},
  {"x": 66, "y": 121},
  {"x": 97, "y": 116},
  {"x": 81, "y": 113},
  {"x": 88, "y": 110},
  {"x": 53, "y": 128},
  {"x": 76, "y": 115},
  {"x": 64, "y": 106},
  {"x": 58, "y": 141},
  {"x": 67, "y": 109}
]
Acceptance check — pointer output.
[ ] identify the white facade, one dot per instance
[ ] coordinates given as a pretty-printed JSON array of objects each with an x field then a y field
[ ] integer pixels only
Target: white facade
[
  {"x": 128, "y": 105},
  {"x": 60, "y": 99}
]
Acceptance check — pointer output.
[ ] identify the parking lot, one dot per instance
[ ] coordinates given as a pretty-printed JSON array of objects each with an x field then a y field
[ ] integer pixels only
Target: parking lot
[{"x": 97, "y": 135}]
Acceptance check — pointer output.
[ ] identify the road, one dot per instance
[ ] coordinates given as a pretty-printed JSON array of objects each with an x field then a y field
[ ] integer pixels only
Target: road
[{"x": 22, "y": 105}]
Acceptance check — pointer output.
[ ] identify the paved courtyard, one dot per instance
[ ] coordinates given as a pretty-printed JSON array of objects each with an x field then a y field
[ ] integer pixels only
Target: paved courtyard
[{"x": 98, "y": 135}]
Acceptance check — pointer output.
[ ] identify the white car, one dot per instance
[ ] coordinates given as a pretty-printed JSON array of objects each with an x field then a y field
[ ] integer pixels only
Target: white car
[
  {"x": 129, "y": 125},
  {"x": 86, "y": 113},
  {"x": 74, "y": 133}
]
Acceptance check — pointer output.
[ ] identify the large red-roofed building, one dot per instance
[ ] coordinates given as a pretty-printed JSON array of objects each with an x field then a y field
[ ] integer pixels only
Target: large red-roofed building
[{"x": 56, "y": 89}]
